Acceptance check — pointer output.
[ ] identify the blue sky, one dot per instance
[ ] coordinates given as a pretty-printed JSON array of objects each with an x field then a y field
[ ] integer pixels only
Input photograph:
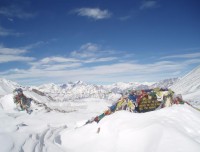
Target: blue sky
[{"x": 98, "y": 41}]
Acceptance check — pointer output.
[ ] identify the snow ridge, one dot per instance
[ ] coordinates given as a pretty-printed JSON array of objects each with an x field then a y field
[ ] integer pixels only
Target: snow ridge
[{"x": 189, "y": 85}]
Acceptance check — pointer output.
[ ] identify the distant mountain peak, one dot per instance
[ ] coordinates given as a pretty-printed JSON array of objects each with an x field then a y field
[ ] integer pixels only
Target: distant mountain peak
[{"x": 166, "y": 83}]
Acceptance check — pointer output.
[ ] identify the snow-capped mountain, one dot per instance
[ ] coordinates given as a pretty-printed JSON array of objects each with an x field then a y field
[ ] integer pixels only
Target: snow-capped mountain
[
  {"x": 49, "y": 128},
  {"x": 189, "y": 85},
  {"x": 164, "y": 83},
  {"x": 7, "y": 86},
  {"x": 80, "y": 89},
  {"x": 50, "y": 88},
  {"x": 121, "y": 86},
  {"x": 73, "y": 91}
]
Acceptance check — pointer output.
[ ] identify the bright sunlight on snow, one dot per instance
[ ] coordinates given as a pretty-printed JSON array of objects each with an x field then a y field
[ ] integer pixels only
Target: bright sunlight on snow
[{"x": 58, "y": 126}]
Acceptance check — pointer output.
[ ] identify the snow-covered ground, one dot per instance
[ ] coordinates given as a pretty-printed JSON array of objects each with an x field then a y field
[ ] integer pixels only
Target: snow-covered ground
[
  {"x": 40, "y": 131},
  {"x": 58, "y": 126},
  {"x": 174, "y": 129}
]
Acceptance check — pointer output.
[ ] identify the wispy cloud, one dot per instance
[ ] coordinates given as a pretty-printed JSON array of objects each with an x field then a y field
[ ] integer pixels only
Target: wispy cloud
[
  {"x": 94, "y": 13},
  {"x": 57, "y": 59},
  {"x": 105, "y": 59},
  {"x": 12, "y": 58},
  {"x": 15, "y": 11},
  {"x": 55, "y": 63},
  {"x": 86, "y": 50},
  {"x": 189, "y": 55},
  {"x": 11, "y": 51},
  {"x": 114, "y": 72},
  {"x": 124, "y": 18},
  {"x": 8, "y": 32},
  {"x": 13, "y": 54},
  {"x": 96, "y": 67},
  {"x": 34, "y": 45},
  {"x": 148, "y": 4},
  {"x": 92, "y": 50}
]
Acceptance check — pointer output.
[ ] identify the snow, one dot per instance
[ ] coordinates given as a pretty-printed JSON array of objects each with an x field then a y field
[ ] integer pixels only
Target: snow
[
  {"x": 171, "y": 129},
  {"x": 189, "y": 86},
  {"x": 174, "y": 129},
  {"x": 23, "y": 132},
  {"x": 5, "y": 102},
  {"x": 7, "y": 86}
]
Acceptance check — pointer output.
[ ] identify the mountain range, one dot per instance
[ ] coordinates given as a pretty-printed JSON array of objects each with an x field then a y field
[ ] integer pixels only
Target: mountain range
[
  {"x": 188, "y": 86},
  {"x": 80, "y": 89},
  {"x": 52, "y": 125}
]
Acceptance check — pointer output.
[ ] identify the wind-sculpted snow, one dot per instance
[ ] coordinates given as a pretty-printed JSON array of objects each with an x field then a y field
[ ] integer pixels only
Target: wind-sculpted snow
[
  {"x": 39, "y": 131},
  {"x": 172, "y": 129},
  {"x": 57, "y": 126}
]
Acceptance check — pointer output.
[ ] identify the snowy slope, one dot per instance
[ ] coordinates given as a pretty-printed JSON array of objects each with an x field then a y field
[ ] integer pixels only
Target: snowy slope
[
  {"x": 60, "y": 129},
  {"x": 189, "y": 85},
  {"x": 7, "y": 86},
  {"x": 175, "y": 129},
  {"x": 172, "y": 129},
  {"x": 164, "y": 83},
  {"x": 39, "y": 131}
]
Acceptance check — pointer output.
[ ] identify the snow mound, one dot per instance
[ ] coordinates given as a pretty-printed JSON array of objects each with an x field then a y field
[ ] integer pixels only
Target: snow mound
[
  {"x": 6, "y": 102},
  {"x": 170, "y": 129}
]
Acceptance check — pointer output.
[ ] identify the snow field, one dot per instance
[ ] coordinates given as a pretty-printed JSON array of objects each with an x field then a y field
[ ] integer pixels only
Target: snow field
[{"x": 171, "y": 129}]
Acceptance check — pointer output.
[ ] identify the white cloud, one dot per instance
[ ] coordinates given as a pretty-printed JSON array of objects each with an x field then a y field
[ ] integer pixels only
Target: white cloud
[
  {"x": 126, "y": 71},
  {"x": 90, "y": 47},
  {"x": 106, "y": 59},
  {"x": 87, "y": 50},
  {"x": 92, "y": 51},
  {"x": 149, "y": 4},
  {"x": 94, "y": 13},
  {"x": 11, "y": 58},
  {"x": 57, "y": 59},
  {"x": 13, "y": 54},
  {"x": 55, "y": 63},
  {"x": 58, "y": 67},
  {"x": 11, "y": 51},
  {"x": 96, "y": 67}
]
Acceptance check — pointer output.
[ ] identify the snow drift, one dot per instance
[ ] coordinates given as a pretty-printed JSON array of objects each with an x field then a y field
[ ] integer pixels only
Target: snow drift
[
  {"x": 171, "y": 129},
  {"x": 174, "y": 129}
]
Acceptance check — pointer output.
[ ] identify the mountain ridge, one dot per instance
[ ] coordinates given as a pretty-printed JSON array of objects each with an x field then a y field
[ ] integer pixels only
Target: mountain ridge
[{"x": 188, "y": 86}]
